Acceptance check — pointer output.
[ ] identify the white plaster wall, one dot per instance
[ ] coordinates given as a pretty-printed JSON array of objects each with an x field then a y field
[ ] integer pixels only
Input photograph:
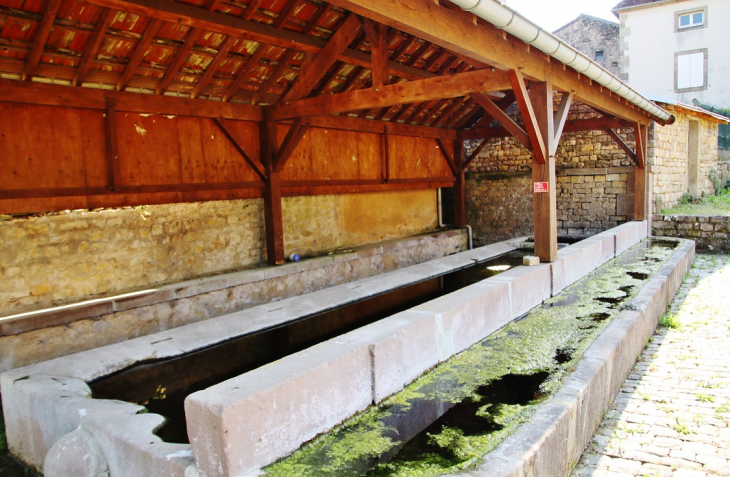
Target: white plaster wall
[{"x": 649, "y": 42}]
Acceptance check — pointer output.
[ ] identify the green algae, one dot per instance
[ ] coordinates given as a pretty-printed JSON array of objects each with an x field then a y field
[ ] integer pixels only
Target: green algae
[{"x": 386, "y": 440}]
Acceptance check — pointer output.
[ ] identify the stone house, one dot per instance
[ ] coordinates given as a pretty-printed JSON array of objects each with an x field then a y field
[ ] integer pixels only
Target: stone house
[{"x": 595, "y": 37}]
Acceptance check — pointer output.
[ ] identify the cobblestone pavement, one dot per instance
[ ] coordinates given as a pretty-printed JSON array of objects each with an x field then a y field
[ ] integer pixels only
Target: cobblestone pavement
[{"x": 671, "y": 418}]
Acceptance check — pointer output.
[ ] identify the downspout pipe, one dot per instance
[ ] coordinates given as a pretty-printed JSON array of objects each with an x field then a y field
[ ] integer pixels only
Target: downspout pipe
[{"x": 504, "y": 18}]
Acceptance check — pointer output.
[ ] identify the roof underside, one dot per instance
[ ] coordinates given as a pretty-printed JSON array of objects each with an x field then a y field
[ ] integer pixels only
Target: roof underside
[
  {"x": 96, "y": 46},
  {"x": 237, "y": 51}
]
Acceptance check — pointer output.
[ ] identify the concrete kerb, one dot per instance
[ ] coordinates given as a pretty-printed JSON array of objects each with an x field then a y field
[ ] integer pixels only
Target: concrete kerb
[{"x": 587, "y": 392}]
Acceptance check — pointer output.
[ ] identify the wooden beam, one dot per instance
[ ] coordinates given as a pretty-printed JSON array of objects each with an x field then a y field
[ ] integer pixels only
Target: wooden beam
[
  {"x": 41, "y": 36},
  {"x": 640, "y": 181},
  {"x": 213, "y": 66},
  {"x": 287, "y": 13},
  {"x": 459, "y": 186},
  {"x": 544, "y": 203},
  {"x": 346, "y": 123},
  {"x": 274, "y": 76},
  {"x": 232, "y": 135},
  {"x": 93, "y": 44},
  {"x": 640, "y": 139},
  {"x": 578, "y": 125},
  {"x": 273, "y": 217},
  {"x": 245, "y": 72},
  {"x": 338, "y": 43},
  {"x": 481, "y": 41},
  {"x": 112, "y": 145},
  {"x": 184, "y": 14},
  {"x": 379, "y": 53},
  {"x": 560, "y": 118},
  {"x": 20, "y": 92},
  {"x": 475, "y": 153},
  {"x": 296, "y": 132},
  {"x": 497, "y": 113},
  {"x": 410, "y": 92},
  {"x": 253, "y": 5},
  {"x": 138, "y": 54},
  {"x": 620, "y": 142},
  {"x": 528, "y": 115}
]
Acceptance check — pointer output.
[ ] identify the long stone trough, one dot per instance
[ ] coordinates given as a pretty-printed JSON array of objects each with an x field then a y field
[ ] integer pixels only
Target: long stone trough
[{"x": 242, "y": 424}]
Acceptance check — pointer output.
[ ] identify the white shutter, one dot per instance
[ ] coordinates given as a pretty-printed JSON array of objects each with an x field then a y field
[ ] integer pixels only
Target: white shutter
[{"x": 691, "y": 70}]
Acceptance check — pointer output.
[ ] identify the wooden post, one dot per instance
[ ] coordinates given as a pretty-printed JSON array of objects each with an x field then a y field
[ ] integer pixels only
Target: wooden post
[
  {"x": 545, "y": 203},
  {"x": 459, "y": 185},
  {"x": 640, "y": 201},
  {"x": 272, "y": 193}
]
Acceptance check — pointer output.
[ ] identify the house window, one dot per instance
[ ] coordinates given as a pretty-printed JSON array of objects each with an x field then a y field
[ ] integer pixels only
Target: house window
[
  {"x": 691, "y": 70},
  {"x": 690, "y": 19},
  {"x": 599, "y": 56},
  {"x": 687, "y": 20}
]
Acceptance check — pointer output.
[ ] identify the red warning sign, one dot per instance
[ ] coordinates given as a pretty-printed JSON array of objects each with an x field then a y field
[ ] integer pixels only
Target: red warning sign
[{"x": 541, "y": 187}]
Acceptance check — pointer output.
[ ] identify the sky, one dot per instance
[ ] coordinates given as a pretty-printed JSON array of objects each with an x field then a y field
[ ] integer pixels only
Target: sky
[{"x": 552, "y": 14}]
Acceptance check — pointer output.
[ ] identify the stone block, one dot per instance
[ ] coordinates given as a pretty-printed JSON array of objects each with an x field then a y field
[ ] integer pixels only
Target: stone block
[
  {"x": 243, "y": 424},
  {"x": 402, "y": 347},
  {"x": 608, "y": 245},
  {"x": 627, "y": 235},
  {"x": 469, "y": 315},
  {"x": 529, "y": 286},
  {"x": 580, "y": 259},
  {"x": 486, "y": 252}
]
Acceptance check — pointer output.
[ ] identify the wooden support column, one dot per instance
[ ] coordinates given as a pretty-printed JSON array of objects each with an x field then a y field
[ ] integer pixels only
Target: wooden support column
[
  {"x": 640, "y": 192},
  {"x": 272, "y": 193},
  {"x": 545, "y": 203},
  {"x": 459, "y": 185}
]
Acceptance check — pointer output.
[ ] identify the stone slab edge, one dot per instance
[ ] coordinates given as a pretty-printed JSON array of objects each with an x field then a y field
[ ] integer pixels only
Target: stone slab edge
[{"x": 551, "y": 442}]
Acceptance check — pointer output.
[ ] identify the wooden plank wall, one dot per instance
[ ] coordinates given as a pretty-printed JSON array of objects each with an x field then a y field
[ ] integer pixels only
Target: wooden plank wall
[{"x": 56, "y": 158}]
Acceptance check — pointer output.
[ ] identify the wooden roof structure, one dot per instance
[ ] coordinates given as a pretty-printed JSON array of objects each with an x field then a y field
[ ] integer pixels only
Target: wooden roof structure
[{"x": 272, "y": 98}]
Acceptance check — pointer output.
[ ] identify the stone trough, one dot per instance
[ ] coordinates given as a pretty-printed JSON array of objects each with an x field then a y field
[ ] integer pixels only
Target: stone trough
[{"x": 242, "y": 424}]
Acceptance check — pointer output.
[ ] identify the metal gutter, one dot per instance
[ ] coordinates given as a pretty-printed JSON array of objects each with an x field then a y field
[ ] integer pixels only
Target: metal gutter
[{"x": 507, "y": 19}]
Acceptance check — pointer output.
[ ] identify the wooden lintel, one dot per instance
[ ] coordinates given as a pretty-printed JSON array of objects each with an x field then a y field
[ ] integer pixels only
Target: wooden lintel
[
  {"x": 620, "y": 142},
  {"x": 139, "y": 51},
  {"x": 142, "y": 189},
  {"x": 337, "y": 44},
  {"x": 447, "y": 156},
  {"x": 92, "y": 46},
  {"x": 41, "y": 36},
  {"x": 507, "y": 122},
  {"x": 296, "y": 132},
  {"x": 232, "y": 135},
  {"x": 20, "y": 92},
  {"x": 560, "y": 118},
  {"x": 112, "y": 145},
  {"x": 410, "y": 92},
  {"x": 475, "y": 152},
  {"x": 528, "y": 115}
]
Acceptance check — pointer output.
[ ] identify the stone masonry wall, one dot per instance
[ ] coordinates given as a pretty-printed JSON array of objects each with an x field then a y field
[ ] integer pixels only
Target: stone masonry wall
[
  {"x": 668, "y": 156},
  {"x": 709, "y": 233},
  {"x": 590, "y": 34},
  {"x": 55, "y": 259},
  {"x": 595, "y": 185}
]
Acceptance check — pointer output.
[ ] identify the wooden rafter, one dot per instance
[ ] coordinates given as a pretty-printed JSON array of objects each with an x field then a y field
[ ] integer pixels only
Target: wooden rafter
[
  {"x": 466, "y": 116},
  {"x": 447, "y": 111},
  {"x": 182, "y": 53},
  {"x": 561, "y": 117},
  {"x": 400, "y": 51},
  {"x": 449, "y": 160},
  {"x": 213, "y": 66},
  {"x": 93, "y": 45},
  {"x": 41, "y": 36},
  {"x": 475, "y": 153},
  {"x": 237, "y": 141},
  {"x": 640, "y": 139},
  {"x": 274, "y": 76},
  {"x": 245, "y": 71},
  {"x": 253, "y": 5},
  {"x": 286, "y": 14},
  {"x": 138, "y": 54},
  {"x": 413, "y": 91},
  {"x": 620, "y": 142},
  {"x": 458, "y": 33},
  {"x": 528, "y": 115},
  {"x": 504, "y": 119},
  {"x": 296, "y": 132},
  {"x": 315, "y": 19},
  {"x": 338, "y": 43},
  {"x": 433, "y": 111}
]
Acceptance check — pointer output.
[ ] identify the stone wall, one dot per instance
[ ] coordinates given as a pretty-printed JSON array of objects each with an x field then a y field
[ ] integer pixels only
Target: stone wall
[
  {"x": 709, "y": 233},
  {"x": 60, "y": 258},
  {"x": 589, "y": 34},
  {"x": 668, "y": 157}
]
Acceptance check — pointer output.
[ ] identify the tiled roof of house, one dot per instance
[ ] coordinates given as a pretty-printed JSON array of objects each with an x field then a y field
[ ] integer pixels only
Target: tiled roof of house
[
  {"x": 586, "y": 17},
  {"x": 632, "y": 3}
]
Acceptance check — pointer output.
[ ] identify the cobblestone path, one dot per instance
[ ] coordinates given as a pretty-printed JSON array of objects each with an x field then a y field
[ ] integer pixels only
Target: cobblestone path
[{"x": 671, "y": 418}]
